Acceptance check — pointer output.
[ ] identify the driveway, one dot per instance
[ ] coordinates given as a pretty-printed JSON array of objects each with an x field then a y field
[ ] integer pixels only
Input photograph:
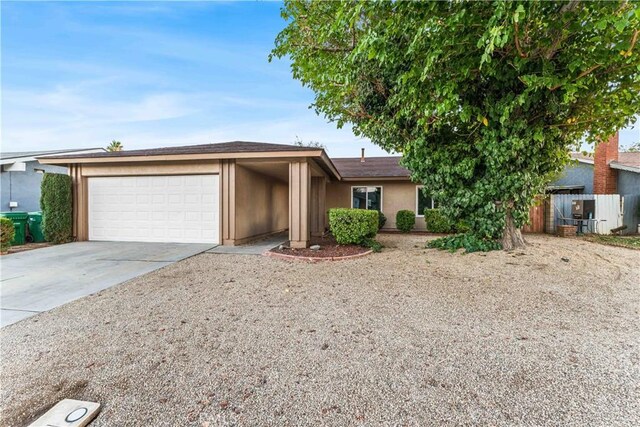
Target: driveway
[{"x": 42, "y": 279}]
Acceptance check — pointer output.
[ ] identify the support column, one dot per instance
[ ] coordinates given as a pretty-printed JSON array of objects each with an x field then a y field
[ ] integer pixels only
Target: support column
[
  {"x": 228, "y": 201},
  {"x": 80, "y": 219},
  {"x": 299, "y": 203}
]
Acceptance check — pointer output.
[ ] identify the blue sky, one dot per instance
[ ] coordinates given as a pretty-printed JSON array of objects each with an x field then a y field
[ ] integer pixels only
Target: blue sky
[{"x": 150, "y": 74}]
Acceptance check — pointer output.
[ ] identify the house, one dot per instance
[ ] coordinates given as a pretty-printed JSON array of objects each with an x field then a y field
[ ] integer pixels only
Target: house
[
  {"x": 608, "y": 171},
  {"x": 22, "y": 174},
  {"x": 228, "y": 193},
  {"x": 233, "y": 192}
]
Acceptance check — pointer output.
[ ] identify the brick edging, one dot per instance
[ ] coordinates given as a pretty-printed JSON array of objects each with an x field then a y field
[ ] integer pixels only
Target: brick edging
[{"x": 314, "y": 259}]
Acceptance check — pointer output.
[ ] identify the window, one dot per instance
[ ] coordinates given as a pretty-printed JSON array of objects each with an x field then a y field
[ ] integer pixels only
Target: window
[
  {"x": 366, "y": 198},
  {"x": 423, "y": 201}
]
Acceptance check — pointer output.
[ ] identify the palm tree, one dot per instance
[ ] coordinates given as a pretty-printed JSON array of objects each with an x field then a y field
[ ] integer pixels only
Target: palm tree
[{"x": 114, "y": 146}]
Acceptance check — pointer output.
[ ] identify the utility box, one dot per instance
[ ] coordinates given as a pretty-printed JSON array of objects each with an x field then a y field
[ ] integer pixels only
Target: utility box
[{"x": 583, "y": 209}]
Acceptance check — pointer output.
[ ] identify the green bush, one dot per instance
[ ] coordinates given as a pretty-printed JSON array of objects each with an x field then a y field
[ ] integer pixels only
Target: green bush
[
  {"x": 436, "y": 222},
  {"x": 469, "y": 242},
  {"x": 7, "y": 233},
  {"x": 405, "y": 220},
  {"x": 373, "y": 244},
  {"x": 57, "y": 208},
  {"x": 353, "y": 226},
  {"x": 382, "y": 220}
]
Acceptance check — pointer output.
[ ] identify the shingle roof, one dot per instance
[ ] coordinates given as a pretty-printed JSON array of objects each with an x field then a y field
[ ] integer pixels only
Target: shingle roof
[
  {"x": 624, "y": 159},
  {"x": 629, "y": 159},
  {"x": 372, "y": 167},
  {"x": 222, "y": 147}
]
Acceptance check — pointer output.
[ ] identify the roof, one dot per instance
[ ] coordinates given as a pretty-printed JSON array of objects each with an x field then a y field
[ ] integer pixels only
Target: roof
[
  {"x": 345, "y": 168},
  {"x": 29, "y": 156},
  {"x": 218, "y": 148},
  {"x": 629, "y": 159},
  {"x": 626, "y": 161},
  {"x": 372, "y": 167},
  {"x": 582, "y": 158}
]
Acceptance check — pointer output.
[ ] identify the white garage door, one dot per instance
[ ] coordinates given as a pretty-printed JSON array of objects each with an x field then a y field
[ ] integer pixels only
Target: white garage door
[{"x": 179, "y": 208}]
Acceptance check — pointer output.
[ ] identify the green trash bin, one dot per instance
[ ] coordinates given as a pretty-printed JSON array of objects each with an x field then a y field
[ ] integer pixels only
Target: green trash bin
[
  {"x": 19, "y": 220},
  {"x": 35, "y": 227}
]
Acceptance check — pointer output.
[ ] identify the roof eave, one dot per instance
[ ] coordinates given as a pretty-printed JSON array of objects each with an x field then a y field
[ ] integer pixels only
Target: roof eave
[
  {"x": 585, "y": 161},
  {"x": 376, "y": 178},
  {"x": 179, "y": 157},
  {"x": 623, "y": 167},
  {"x": 32, "y": 158},
  {"x": 330, "y": 166}
]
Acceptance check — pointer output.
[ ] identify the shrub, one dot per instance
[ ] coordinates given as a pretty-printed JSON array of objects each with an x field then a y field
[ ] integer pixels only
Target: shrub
[
  {"x": 382, "y": 220},
  {"x": 436, "y": 222},
  {"x": 57, "y": 208},
  {"x": 469, "y": 242},
  {"x": 7, "y": 233},
  {"x": 405, "y": 220},
  {"x": 353, "y": 226},
  {"x": 373, "y": 244}
]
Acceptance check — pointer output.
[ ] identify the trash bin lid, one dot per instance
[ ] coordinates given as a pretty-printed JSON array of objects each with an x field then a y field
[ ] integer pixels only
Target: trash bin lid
[{"x": 15, "y": 215}]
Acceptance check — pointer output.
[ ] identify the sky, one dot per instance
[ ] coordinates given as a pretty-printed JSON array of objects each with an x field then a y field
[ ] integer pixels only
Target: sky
[{"x": 155, "y": 74}]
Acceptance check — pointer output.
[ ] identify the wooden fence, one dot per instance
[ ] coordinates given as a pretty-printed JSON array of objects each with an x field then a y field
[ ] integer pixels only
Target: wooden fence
[{"x": 536, "y": 217}]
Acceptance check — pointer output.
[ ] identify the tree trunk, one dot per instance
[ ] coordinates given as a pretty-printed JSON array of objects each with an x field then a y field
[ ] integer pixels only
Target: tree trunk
[{"x": 511, "y": 236}]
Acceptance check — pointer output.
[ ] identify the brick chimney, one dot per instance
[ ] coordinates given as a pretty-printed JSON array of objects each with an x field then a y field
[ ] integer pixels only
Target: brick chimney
[{"x": 605, "y": 178}]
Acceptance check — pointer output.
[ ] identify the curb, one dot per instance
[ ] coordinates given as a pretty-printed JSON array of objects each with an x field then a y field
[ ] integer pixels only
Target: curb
[{"x": 314, "y": 259}]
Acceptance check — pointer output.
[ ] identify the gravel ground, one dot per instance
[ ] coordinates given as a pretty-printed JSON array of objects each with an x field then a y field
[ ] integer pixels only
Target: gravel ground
[{"x": 408, "y": 336}]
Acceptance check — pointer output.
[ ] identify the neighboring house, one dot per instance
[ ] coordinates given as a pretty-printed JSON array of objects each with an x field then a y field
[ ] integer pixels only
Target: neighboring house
[
  {"x": 228, "y": 193},
  {"x": 608, "y": 171},
  {"x": 22, "y": 174}
]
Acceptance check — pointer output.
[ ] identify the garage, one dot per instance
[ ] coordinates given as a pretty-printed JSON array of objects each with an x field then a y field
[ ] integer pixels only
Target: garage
[{"x": 166, "y": 208}]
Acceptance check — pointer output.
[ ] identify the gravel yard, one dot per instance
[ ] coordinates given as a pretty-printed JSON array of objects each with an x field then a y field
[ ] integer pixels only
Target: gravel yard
[{"x": 408, "y": 336}]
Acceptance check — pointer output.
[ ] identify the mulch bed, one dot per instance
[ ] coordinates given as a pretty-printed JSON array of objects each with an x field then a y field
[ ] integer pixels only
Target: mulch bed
[{"x": 328, "y": 249}]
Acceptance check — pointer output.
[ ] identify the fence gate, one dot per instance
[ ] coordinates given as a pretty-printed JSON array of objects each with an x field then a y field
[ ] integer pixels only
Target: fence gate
[{"x": 609, "y": 208}]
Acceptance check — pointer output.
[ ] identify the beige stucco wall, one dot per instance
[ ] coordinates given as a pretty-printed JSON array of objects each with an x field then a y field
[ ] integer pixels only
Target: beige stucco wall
[
  {"x": 262, "y": 204},
  {"x": 396, "y": 195},
  {"x": 152, "y": 168}
]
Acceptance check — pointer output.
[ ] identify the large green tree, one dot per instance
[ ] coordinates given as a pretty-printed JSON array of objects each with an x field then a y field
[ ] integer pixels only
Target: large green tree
[{"x": 483, "y": 99}]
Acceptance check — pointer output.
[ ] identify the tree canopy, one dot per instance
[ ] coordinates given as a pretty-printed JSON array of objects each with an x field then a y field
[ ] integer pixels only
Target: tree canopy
[
  {"x": 114, "y": 146},
  {"x": 484, "y": 100}
]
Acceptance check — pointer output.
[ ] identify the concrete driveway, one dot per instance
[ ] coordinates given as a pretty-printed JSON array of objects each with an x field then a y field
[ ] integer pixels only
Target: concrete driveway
[{"x": 42, "y": 279}]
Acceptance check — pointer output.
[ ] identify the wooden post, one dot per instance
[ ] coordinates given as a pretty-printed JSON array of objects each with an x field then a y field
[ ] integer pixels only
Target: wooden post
[{"x": 299, "y": 203}]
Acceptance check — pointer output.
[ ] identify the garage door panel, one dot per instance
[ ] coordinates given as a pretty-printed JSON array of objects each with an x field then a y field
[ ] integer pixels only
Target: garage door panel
[{"x": 182, "y": 208}]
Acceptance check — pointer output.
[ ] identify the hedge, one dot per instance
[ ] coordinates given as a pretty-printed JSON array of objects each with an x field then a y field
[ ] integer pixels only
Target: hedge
[
  {"x": 7, "y": 233},
  {"x": 405, "y": 220},
  {"x": 56, "y": 203},
  {"x": 353, "y": 226}
]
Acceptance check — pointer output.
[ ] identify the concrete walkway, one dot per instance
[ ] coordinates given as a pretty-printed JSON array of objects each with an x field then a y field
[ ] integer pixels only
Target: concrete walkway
[
  {"x": 254, "y": 248},
  {"x": 39, "y": 280}
]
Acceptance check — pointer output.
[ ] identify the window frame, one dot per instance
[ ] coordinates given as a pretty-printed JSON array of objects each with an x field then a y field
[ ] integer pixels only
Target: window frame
[
  {"x": 418, "y": 213},
  {"x": 367, "y": 196}
]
